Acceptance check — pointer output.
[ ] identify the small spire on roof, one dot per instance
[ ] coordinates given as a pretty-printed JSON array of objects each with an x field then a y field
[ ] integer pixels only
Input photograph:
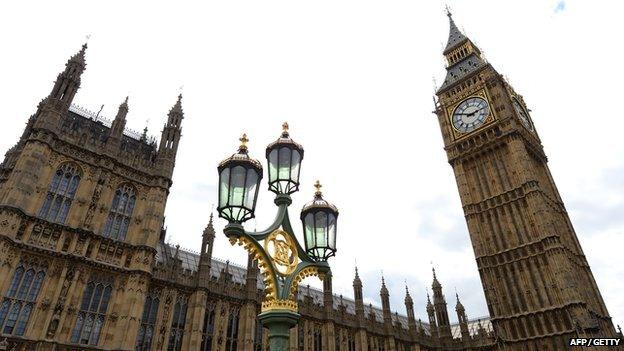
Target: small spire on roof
[
  {"x": 455, "y": 35},
  {"x": 144, "y": 135},
  {"x": 80, "y": 56}
]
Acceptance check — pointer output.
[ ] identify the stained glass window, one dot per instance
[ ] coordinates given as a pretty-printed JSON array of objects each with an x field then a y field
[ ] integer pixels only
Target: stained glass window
[
  {"x": 209, "y": 324},
  {"x": 177, "y": 325},
  {"x": 18, "y": 303},
  {"x": 92, "y": 313},
  {"x": 232, "y": 330},
  {"x": 148, "y": 322},
  {"x": 120, "y": 213},
  {"x": 61, "y": 193}
]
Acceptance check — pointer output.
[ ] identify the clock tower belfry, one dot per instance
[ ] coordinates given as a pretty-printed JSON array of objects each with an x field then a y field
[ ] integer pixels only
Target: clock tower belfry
[{"x": 539, "y": 288}]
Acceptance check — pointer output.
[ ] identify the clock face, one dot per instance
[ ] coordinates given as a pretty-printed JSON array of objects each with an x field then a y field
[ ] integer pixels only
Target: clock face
[
  {"x": 522, "y": 114},
  {"x": 470, "y": 114}
]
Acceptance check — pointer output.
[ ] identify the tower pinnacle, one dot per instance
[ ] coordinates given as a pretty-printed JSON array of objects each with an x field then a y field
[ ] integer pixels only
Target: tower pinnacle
[
  {"x": 463, "y": 57},
  {"x": 357, "y": 294},
  {"x": 68, "y": 81},
  {"x": 117, "y": 128},
  {"x": 456, "y": 37},
  {"x": 170, "y": 137}
]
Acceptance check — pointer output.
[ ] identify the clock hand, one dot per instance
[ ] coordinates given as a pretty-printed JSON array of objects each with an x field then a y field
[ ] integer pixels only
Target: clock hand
[{"x": 467, "y": 114}]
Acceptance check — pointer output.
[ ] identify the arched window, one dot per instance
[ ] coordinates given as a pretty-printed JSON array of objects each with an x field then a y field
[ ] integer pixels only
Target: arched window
[
  {"x": 208, "y": 330},
  {"x": 92, "y": 312},
  {"x": 148, "y": 322},
  {"x": 19, "y": 300},
  {"x": 351, "y": 341},
  {"x": 337, "y": 343},
  {"x": 118, "y": 220},
  {"x": 61, "y": 193},
  {"x": 177, "y": 325},
  {"x": 318, "y": 338},
  {"x": 232, "y": 330}
]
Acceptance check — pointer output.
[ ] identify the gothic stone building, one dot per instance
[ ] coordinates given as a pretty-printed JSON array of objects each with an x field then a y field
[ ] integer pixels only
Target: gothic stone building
[
  {"x": 84, "y": 264},
  {"x": 538, "y": 285}
]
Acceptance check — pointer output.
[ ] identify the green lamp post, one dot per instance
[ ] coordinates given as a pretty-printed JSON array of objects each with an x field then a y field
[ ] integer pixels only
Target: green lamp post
[{"x": 283, "y": 262}]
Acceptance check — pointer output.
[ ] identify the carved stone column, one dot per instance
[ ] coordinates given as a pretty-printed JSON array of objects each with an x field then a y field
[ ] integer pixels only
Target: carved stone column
[{"x": 195, "y": 320}]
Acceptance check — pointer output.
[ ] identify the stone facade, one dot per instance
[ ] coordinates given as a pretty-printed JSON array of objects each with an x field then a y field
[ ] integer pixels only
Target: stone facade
[
  {"x": 539, "y": 288},
  {"x": 84, "y": 264}
]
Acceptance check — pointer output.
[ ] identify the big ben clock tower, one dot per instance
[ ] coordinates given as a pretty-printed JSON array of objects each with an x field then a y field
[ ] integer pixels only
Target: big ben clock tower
[{"x": 539, "y": 288}]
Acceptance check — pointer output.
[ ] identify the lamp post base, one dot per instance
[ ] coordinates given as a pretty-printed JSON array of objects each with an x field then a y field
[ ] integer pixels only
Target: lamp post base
[{"x": 279, "y": 323}]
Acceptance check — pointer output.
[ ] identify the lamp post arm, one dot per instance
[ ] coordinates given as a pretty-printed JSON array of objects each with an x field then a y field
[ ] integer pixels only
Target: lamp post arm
[
  {"x": 237, "y": 234},
  {"x": 282, "y": 219},
  {"x": 303, "y": 270}
]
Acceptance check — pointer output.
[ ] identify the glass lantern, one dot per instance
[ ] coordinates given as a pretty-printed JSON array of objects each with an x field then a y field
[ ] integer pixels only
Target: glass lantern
[
  {"x": 239, "y": 180},
  {"x": 284, "y": 157},
  {"x": 319, "y": 227}
]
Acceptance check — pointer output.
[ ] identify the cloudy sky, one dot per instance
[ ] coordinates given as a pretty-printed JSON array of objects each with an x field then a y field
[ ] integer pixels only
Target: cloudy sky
[{"x": 355, "y": 81}]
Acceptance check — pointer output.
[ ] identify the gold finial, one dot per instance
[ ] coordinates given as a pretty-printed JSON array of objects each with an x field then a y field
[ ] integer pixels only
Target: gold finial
[
  {"x": 243, "y": 145},
  {"x": 285, "y": 129},
  {"x": 318, "y": 187}
]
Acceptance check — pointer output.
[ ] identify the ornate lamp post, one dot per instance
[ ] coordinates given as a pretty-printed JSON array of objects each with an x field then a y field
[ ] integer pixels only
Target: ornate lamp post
[{"x": 282, "y": 261}]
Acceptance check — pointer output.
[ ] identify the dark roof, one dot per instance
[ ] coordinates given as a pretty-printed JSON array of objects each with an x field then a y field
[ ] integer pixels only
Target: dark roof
[
  {"x": 463, "y": 68},
  {"x": 456, "y": 37},
  {"x": 96, "y": 128},
  {"x": 190, "y": 261}
]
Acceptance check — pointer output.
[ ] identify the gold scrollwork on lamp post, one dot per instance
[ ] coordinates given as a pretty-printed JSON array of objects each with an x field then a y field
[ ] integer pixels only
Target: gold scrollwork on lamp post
[
  {"x": 282, "y": 261},
  {"x": 282, "y": 251}
]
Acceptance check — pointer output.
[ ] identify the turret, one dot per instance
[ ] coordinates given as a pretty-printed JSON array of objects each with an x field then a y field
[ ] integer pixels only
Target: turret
[
  {"x": 170, "y": 138},
  {"x": 67, "y": 83},
  {"x": 357, "y": 294},
  {"x": 421, "y": 329},
  {"x": 433, "y": 327},
  {"x": 409, "y": 307},
  {"x": 439, "y": 302},
  {"x": 205, "y": 257},
  {"x": 385, "y": 303},
  {"x": 328, "y": 297},
  {"x": 117, "y": 127},
  {"x": 463, "y": 319},
  {"x": 251, "y": 283}
]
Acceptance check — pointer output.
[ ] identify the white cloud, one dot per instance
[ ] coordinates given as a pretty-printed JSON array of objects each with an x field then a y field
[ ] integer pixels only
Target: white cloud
[{"x": 353, "y": 79}]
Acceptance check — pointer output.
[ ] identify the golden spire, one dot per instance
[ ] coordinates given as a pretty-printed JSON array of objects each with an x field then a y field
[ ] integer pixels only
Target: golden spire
[
  {"x": 285, "y": 130},
  {"x": 243, "y": 146},
  {"x": 318, "y": 187}
]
